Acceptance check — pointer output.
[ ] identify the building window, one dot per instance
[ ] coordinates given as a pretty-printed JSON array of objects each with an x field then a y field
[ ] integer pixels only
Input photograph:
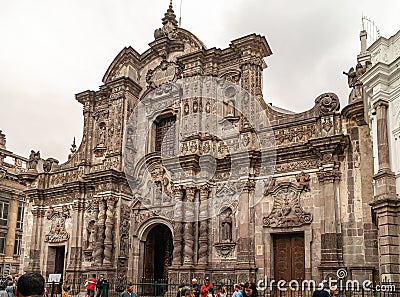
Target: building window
[
  {"x": 3, "y": 213},
  {"x": 20, "y": 215},
  {"x": 165, "y": 136},
  {"x": 2, "y": 242},
  {"x": 17, "y": 245}
]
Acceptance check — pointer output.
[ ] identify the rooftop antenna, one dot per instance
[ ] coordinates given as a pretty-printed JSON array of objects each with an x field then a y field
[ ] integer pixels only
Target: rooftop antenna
[
  {"x": 180, "y": 14},
  {"x": 368, "y": 25}
]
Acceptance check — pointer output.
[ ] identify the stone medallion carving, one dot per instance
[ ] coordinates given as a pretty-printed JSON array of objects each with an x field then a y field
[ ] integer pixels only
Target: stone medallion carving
[
  {"x": 327, "y": 103},
  {"x": 163, "y": 73},
  {"x": 57, "y": 233},
  {"x": 286, "y": 211}
]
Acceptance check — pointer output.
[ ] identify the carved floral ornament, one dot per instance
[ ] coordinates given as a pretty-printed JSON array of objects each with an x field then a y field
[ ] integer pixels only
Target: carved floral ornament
[
  {"x": 57, "y": 232},
  {"x": 287, "y": 211}
]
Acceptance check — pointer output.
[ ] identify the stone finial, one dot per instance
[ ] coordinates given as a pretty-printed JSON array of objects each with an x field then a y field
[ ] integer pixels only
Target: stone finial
[
  {"x": 170, "y": 24},
  {"x": 73, "y": 147},
  {"x": 2, "y": 140}
]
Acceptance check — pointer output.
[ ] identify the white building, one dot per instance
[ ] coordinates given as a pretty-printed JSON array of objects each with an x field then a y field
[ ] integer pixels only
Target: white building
[{"x": 381, "y": 83}]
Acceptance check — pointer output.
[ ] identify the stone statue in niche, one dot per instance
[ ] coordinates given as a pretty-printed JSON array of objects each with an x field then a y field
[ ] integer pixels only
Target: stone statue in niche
[
  {"x": 91, "y": 235},
  {"x": 102, "y": 134},
  {"x": 226, "y": 225}
]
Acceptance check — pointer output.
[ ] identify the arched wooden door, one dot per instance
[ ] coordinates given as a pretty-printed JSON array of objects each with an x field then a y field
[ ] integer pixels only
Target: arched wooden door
[{"x": 158, "y": 253}]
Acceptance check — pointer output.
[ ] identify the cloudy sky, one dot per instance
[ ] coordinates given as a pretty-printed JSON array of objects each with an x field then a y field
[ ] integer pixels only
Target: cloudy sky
[{"x": 52, "y": 49}]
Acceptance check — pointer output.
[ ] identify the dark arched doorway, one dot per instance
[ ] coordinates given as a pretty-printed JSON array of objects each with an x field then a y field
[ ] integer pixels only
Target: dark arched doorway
[{"x": 158, "y": 253}]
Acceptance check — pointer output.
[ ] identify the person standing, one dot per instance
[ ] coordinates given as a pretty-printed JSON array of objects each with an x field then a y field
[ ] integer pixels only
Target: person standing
[
  {"x": 204, "y": 290},
  {"x": 196, "y": 287},
  {"x": 100, "y": 285},
  {"x": 91, "y": 285},
  {"x": 10, "y": 289},
  {"x": 128, "y": 291}
]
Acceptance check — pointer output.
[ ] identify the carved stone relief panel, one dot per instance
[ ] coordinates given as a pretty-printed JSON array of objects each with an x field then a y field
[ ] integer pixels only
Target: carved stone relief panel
[
  {"x": 287, "y": 211},
  {"x": 58, "y": 232}
]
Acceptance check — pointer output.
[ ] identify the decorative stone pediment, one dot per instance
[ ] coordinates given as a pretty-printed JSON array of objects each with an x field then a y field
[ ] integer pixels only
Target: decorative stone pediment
[
  {"x": 165, "y": 72},
  {"x": 286, "y": 211}
]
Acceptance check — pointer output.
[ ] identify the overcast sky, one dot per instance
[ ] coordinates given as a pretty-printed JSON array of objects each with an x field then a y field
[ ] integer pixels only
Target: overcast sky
[{"x": 52, "y": 49}]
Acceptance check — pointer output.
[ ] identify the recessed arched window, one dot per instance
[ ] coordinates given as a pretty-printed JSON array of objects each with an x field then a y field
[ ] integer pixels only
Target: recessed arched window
[{"x": 165, "y": 136}]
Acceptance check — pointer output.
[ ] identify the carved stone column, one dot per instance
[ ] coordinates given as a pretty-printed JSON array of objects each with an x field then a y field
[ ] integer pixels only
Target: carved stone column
[
  {"x": 36, "y": 240},
  {"x": 100, "y": 228},
  {"x": 109, "y": 230},
  {"x": 203, "y": 230},
  {"x": 178, "y": 227},
  {"x": 244, "y": 242},
  {"x": 385, "y": 180},
  {"x": 11, "y": 226},
  {"x": 188, "y": 234},
  {"x": 331, "y": 236},
  {"x": 386, "y": 204},
  {"x": 76, "y": 234}
]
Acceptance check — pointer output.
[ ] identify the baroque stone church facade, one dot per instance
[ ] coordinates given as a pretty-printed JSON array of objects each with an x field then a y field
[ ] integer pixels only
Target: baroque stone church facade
[{"x": 133, "y": 201}]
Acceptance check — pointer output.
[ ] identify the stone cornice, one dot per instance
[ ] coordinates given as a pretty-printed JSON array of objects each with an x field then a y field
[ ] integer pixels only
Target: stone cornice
[{"x": 355, "y": 112}]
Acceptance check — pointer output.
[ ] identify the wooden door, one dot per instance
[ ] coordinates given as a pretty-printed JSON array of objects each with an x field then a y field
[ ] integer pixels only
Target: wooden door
[{"x": 289, "y": 257}]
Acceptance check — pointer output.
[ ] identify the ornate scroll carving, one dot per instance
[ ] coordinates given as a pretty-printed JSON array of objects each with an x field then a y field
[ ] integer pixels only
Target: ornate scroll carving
[
  {"x": 304, "y": 180},
  {"x": 163, "y": 73},
  {"x": 327, "y": 103},
  {"x": 225, "y": 250},
  {"x": 57, "y": 233},
  {"x": 287, "y": 211}
]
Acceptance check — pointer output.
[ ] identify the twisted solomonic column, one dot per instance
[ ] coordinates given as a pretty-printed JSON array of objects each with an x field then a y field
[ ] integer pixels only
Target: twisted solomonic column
[
  {"x": 203, "y": 218},
  {"x": 99, "y": 227},
  {"x": 178, "y": 227},
  {"x": 109, "y": 232},
  {"x": 188, "y": 234}
]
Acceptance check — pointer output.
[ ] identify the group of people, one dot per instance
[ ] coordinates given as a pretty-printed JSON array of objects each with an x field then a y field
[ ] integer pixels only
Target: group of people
[
  {"x": 93, "y": 285},
  {"x": 27, "y": 285},
  {"x": 247, "y": 289},
  {"x": 7, "y": 288}
]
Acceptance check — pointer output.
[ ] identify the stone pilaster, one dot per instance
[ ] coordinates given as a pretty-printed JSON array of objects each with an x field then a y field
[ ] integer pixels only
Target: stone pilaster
[
  {"x": 244, "y": 239},
  {"x": 11, "y": 226},
  {"x": 387, "y": 211},
  {"x": 385, "y": 180},
  {"x": 188, "y": 232},
  {"x": 203, "y": 230},
  {"x": 331, "y": 236},
  {"x": 76, "y": 234},
  {"x": 36, "y": 240}
]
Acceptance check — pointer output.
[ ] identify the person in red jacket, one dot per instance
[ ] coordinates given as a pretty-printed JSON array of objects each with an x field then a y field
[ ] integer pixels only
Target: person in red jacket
[
  {"x": 204, "y": 288},
  {"x": 91, "y": 285}
]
